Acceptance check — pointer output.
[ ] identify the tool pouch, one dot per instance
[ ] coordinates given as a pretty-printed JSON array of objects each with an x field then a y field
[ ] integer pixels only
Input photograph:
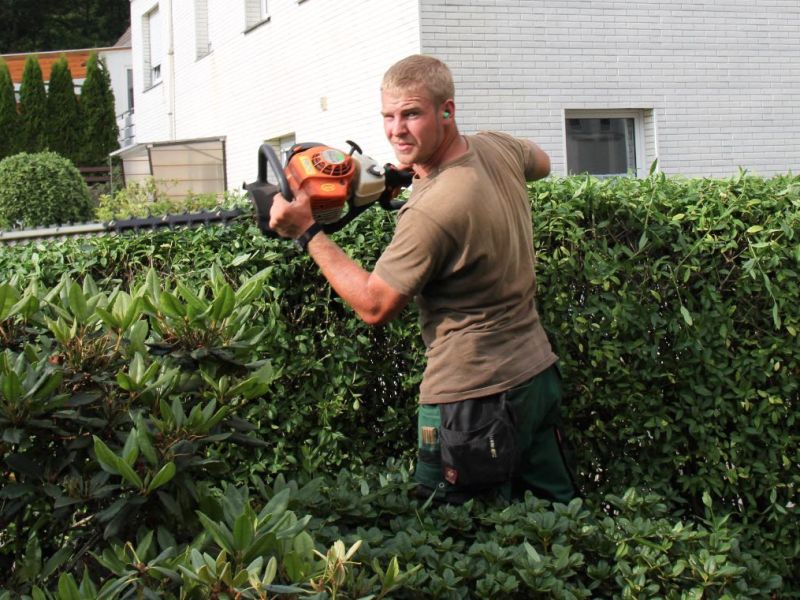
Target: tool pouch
[{"x": 478, "y": 442}]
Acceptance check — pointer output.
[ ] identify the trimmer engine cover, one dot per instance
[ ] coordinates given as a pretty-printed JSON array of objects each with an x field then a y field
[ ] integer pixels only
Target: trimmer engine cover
[{"x": 326, "y": 175}]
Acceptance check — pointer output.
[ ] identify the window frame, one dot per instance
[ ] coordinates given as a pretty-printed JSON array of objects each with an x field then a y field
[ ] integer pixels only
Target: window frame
[
  {"x": 282, "y": 144},
  {"x": 202, "y": 29},
  {"x": 256, "y": 13},
  {"x": 153, "y": 75},
  {"x": 637, "y": 114}
]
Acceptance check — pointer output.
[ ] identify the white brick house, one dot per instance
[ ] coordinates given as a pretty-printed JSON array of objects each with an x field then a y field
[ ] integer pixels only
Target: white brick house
[{"x": 704, "y": 87}]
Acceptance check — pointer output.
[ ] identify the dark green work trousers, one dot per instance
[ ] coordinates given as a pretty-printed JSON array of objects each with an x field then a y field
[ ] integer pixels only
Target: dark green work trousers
[{"x": 542, "y": 454}]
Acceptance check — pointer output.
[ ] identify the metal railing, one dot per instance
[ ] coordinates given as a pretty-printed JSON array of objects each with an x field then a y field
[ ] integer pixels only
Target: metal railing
[{"x": 127, "y": 129}]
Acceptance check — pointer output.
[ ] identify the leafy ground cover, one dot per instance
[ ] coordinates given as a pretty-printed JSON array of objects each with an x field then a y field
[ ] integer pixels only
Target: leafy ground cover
[{"x": 194, "y": 414}]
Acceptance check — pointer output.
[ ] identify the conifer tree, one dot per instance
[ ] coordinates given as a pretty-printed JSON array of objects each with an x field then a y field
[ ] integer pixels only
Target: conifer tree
[
  {"x": 33, "y": 107},
  {"x": 100, "y": 131},
  {"x": 9, "y": 118},
  {"x": 64, "y": 123}
]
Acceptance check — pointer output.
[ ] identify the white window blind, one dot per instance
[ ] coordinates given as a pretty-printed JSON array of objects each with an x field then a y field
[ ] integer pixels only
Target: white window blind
[{"x": 156, "y": 47}]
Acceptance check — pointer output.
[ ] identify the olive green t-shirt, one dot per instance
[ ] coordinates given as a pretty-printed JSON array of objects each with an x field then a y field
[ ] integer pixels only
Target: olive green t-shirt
[{"x": 463, "y": 247}]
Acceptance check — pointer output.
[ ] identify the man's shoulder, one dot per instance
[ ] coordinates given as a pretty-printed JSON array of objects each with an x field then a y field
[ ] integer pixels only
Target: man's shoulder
[{"x": 498, "y": 139}]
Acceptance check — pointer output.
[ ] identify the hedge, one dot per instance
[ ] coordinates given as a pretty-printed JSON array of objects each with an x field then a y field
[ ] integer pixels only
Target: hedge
[
  {"x": 42, "y": 189},
  {"x": 671, "y": 305}
]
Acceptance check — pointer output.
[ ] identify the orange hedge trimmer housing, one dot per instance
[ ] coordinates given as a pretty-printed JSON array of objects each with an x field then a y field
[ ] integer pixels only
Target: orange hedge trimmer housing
[{"x": 340, "y": 185}]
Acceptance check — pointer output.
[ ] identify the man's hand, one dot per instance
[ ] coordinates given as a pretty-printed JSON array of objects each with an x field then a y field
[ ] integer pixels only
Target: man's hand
[
  {"x": 291, "y": 219},
  {"x": 374, "y": 300}
]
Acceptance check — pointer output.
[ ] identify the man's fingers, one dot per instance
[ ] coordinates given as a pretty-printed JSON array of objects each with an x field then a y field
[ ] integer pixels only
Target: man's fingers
[
  {"x": 290, "y": 219},
  {"x": 277, "y": 211}
]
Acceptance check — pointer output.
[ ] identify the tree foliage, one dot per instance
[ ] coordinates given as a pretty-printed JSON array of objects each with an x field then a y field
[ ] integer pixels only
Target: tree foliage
[
  {"x": 9, "y": 117},
  {"x": 54, "y": 25},
  {"x": 100, "y": 131},
  {"x": 65, "y": 127},
  {"x": 33, "y": 107}
]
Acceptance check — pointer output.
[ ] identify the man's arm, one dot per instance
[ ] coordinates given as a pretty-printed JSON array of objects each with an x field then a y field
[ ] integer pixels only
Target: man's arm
[
  {"x": 374, "y": 300},
  {"x": 541, "y": 164}
]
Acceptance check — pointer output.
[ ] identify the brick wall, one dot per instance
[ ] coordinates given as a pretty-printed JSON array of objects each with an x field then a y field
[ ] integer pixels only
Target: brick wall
[{"x": 717, "y": 83}]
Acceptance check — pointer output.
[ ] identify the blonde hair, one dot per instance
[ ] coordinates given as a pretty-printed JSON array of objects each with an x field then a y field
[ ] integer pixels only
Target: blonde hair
[{"x": 420, "y": 72}]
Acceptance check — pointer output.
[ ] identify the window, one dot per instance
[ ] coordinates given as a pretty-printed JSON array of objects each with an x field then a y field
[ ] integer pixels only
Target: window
[
  {"x": 153, "y": 48},
  {"x": 201, "y": 37},
  {"x": 129, "y": 83},
  {"x": 282, "y": 145},
  {"x": 255, "y": 13},
  {"x": 604, "y": 143}
]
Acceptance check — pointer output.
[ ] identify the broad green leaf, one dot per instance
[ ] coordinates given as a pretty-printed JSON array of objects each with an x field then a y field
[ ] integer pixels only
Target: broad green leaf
[
  {"x": 251, "y": 288},
  {"x": 125, "y": 382},
  {"x": 223, "y": 304},
  {"x": 27, "y": 306},
  {"x": 108, "y": 319},
  {"x": 164, "y": 476},
  {"x": 68, "y": 588},
  {"x": 152, "y": 285},
  {"x": 195, "y": 305},
  {"x": 8, "y": 298},
  {"x": 56, "y": 560},
  {"x": 221, "y": 535},
  {"x": 136, "y": 368},
  {"x": 11, "y": 387},
  {"x": 171, "y": 306},
  {"x": 243, "y": 532},
  {"x": 144, "y": 442},
  {"x": 130, "y": 451},
  {"x": 240, "y": 260},
  {"x": 132, "y": 313},
  {"x": 275, "y": 507},
  {"x": 270, "y": 571},
  {"x": 129, "y": 474},
  {"x": 78, "y": 304},
  {"x": 107, "y": 459},
  {"x": 144, "y": 545}
]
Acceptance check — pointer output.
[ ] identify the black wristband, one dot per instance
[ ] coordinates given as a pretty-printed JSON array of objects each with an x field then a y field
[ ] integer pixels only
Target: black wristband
[{"x": 302, "y": 241}]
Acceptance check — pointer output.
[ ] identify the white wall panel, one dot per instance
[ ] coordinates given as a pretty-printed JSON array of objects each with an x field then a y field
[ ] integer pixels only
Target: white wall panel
[
  {"x": 313, "y": 70},
  {"x": 718, "y": 82}
]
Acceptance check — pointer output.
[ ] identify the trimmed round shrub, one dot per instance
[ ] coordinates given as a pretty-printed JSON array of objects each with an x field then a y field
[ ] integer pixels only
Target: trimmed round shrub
[{"x": 42, "y": 189}]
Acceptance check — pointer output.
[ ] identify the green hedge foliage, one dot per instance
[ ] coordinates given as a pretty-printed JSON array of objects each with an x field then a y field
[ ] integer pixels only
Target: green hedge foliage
[
  {"x": 42, "y": 189},
  {"x": 672, "y": 306},
  {"x": 674, "y": 303}
]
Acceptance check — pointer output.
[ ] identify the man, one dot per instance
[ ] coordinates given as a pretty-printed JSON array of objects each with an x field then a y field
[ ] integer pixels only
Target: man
[{"x": 463, "y": 248}]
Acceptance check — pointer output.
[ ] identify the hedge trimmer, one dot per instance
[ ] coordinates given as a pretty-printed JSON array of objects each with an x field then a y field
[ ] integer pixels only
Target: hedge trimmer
[{"x": 340, "y": 185}]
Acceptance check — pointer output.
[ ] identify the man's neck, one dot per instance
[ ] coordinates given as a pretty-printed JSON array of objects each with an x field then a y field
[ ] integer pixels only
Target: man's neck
[{"x": 451, "y": 148}]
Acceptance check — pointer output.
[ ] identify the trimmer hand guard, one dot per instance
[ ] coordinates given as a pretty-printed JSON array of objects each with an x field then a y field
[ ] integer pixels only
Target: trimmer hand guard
[{"x": 261, "y": 195}]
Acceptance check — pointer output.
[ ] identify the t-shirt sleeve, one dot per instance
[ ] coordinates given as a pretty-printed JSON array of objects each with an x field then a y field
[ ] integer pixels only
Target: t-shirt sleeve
[
  {"x": 517, "y": 151},
  {"x": 529, "y": 159},
  {"x": 415, "y": 255}
]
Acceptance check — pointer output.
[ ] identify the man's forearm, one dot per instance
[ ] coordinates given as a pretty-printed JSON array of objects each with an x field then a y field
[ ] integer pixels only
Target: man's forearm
[{"x": 352, "y": 282}]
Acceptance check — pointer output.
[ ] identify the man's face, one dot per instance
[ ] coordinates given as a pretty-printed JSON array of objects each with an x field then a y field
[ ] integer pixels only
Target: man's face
[{"x": 412, "y": 125}]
